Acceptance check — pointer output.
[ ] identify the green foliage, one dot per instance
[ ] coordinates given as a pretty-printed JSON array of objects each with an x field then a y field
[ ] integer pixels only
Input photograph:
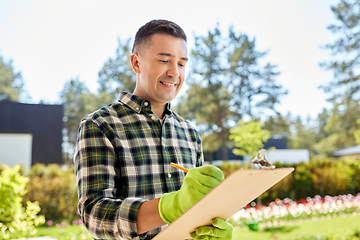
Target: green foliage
[
  {"x": 332, "y": 129},
  {"x": 227, "y": 83},
  {"x": 16, "y": 220},
  {"x": 248, "y": 138},
  {"x": 323, "y": 177},
  {"x": 340, "y": 128},
  {"x": 11, "y": 82},
  {"x": 55, "y": 191},
  {"x": 252, "y": 86},
  {"x": 207, "y": 100},
  {"x": 304, "y": 135},
  {"x": 300, "y": 133},
  {"x": 116, "y": 73},
  {"x": 316, "y": 177},
  {"x": 279, "y": 125},
  {"x": 345, "y": 52},
  {"x": 357, "y": 133},
  {"x": 78, "y": 102}
]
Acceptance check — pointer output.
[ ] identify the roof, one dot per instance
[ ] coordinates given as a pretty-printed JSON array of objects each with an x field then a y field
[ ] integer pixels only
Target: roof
[{"x": 347, "y": 151}]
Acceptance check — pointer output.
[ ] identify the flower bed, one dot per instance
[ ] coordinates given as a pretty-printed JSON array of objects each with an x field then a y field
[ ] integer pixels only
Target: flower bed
[{"x": 287, "y": 209}]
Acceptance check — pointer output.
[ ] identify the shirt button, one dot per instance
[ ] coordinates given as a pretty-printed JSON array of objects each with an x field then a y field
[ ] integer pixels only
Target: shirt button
[
  {"x": 146, "y": 104},
  {"x": 169, "y": 175},
  {"x": 153, "y": 117},
  {"x": 137, "y": 109}
]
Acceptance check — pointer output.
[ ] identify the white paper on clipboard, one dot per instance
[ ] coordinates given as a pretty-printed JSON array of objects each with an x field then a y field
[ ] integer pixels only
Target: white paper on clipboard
[{"x": 235, "y": 192}]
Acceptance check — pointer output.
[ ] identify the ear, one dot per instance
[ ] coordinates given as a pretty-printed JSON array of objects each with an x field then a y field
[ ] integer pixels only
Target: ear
[{"x": 135, "y": 62}]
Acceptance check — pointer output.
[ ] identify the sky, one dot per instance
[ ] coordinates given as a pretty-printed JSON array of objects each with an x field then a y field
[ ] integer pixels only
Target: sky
[{"x": 51, "y": 42}]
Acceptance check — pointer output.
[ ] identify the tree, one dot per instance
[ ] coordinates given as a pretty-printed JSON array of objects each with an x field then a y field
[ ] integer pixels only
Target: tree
[
  {"x": 11, "y": 82},
  {"x": 357, "y": 133},
  {"x": 252, "y": 86},
  {"x": 227, "y": 83},
  {"x": 279, "y": 126},
  {"x": 346, "y": 50},
  {"x": 248, "y": 137},
  {"x": 304, "y": 134},
  {"x": 340, "y": 128},
  {"x": 78, "y": 102},
  {"x": 116, "y": 73},
  {"x": 207, "y": 100},
  {"x": 344, "y": 88}
]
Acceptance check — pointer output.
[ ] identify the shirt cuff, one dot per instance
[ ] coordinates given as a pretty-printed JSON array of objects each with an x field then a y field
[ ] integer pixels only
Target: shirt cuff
[{"x": 128, "y": 213}]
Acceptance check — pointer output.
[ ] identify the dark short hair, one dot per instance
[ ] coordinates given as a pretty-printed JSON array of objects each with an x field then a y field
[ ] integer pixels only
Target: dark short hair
[{"x": 157, "y": 26}]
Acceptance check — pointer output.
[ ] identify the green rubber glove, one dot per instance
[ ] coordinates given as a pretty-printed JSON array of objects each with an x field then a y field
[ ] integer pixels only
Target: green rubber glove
[
  {"x": 220, "y": 229},
  {"x": 197, "y": 183}
]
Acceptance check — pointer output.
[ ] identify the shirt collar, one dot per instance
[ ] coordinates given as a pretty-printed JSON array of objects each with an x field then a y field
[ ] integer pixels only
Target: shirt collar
[{"x": 138, "y": 104}]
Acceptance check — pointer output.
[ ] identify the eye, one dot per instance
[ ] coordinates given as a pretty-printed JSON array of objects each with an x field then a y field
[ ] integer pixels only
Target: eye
[
  {"x": 163, "y": 61},
  {"x": 182, "y": 65}
]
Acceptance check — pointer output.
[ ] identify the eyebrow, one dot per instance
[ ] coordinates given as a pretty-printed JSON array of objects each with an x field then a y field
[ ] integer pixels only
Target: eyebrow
[{"x": 170, "y": 55}]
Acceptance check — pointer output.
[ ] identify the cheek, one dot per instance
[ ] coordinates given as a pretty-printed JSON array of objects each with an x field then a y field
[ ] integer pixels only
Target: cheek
[
  {"x": 182, "y": 76},
  {"x": 180, "y": 84},
  {"x": 155, "y": 72}
]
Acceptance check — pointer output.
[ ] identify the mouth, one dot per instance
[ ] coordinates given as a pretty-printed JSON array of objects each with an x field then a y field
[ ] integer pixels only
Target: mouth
[{"x": 168, "y": 84}]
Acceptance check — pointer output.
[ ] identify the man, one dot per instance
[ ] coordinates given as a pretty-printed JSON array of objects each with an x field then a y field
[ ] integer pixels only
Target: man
[{"x": 127, "y": 188}]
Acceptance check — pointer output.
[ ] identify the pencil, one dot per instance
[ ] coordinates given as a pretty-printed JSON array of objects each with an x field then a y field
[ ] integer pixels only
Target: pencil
[{"x": 179, "y": 167}]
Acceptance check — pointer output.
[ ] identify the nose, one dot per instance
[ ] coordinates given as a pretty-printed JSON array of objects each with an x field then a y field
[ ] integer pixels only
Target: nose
[{"x": 173, "y": 71}]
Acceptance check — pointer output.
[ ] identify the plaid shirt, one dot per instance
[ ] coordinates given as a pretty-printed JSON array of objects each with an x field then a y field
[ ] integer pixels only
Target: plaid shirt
[{"x": 122, "y": 159}]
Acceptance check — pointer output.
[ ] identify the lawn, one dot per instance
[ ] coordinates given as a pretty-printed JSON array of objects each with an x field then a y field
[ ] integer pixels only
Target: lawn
[
  {"x": 70, "y": 232},
  {"x": 332, "y": 228}
]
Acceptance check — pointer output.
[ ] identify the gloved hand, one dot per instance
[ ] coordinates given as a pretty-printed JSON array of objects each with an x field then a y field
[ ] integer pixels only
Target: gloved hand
[
  {"x": 197, "y": 182},
  {"x": 220, "y": 229}
]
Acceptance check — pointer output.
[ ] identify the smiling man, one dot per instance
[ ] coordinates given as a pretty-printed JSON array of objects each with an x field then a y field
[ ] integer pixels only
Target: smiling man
[
  {"x": 160, "y": 69},
  {"x": 127, "y": 188}
]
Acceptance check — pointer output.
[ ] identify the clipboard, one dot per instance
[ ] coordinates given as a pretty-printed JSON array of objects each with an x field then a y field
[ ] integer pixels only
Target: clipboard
[{"x": 235, "y": 192}]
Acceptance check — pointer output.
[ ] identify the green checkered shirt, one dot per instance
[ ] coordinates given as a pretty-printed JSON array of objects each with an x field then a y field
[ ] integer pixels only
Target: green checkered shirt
[{"x": 122, "y": 159}]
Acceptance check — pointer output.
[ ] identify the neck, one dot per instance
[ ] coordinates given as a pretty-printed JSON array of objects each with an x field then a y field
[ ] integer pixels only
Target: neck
[
  {"x": 156, "y": 107},
  {"x": 158, "y": 110}
]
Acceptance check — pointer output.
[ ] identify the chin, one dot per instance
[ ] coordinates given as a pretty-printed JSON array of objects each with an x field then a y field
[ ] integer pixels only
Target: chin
[{"x": 168, "y": 98}]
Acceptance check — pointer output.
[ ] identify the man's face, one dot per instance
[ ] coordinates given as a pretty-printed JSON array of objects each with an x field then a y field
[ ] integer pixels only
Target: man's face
[{"x": 161, "y": 68}]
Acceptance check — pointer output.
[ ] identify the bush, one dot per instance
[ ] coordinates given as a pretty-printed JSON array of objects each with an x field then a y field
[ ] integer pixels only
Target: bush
[
  {"x": 15, "y": 219},
  {"x": 54, "y": 189},
  {"x": 326, "y": 177}
]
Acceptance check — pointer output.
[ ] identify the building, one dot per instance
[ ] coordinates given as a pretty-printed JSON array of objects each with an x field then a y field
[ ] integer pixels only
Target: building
[
  {"x": 30, "y": 133},
  {"x": 280, "y": 154},
  {"x": 353, "y": 152},
  {"x": 288, "y": 156}
]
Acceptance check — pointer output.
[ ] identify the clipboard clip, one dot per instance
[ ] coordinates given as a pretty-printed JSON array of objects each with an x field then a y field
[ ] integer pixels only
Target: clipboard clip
[{"x": 259, "y": 161}]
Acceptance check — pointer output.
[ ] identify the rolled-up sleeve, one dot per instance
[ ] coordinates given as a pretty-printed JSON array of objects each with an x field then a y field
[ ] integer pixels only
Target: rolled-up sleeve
[{"x": 97, "y": 175}]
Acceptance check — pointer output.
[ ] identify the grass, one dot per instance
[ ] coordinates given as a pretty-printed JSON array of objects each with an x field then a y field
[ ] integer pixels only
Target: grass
[
  {"x": 72, "y": 232},
  {"x": 332, "y": 228}
]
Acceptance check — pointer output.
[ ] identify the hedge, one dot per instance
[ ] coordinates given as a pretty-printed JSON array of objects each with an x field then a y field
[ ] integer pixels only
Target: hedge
[
  {"x": 327, "y": 177},
  {"x": 55, "y": 189}
]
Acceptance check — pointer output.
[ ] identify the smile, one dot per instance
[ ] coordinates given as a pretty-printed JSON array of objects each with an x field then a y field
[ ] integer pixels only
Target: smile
[{"x": 169, "y": 84}]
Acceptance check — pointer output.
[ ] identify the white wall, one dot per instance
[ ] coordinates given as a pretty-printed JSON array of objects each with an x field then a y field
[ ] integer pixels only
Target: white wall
[
  {"x": 15, "y": 148},
  {"x": 287, "y": 155}
]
